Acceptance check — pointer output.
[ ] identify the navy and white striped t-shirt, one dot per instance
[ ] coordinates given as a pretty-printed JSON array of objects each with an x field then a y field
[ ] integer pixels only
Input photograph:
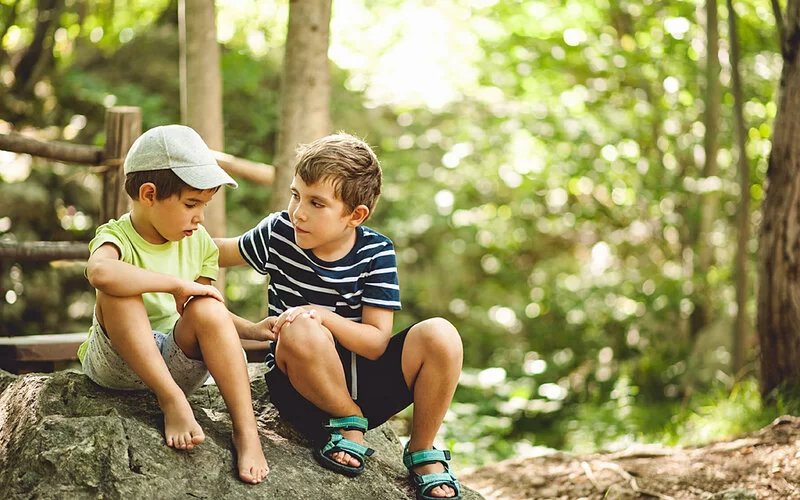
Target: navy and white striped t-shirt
[{"x": 367, "y": 275}]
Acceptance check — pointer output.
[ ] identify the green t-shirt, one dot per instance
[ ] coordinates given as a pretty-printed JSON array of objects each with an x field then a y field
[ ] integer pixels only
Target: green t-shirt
[{"x": 189, "y": 258}]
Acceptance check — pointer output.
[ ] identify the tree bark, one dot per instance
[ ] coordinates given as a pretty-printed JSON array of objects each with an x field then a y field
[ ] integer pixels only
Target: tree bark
[
  {"x": 305, "y": 89},
  {"x": 201, "y": 94},
  {"x": 708, "y": 202},
  {"x": 742, "y": 325},
  {"x": 778, "y": 321}
]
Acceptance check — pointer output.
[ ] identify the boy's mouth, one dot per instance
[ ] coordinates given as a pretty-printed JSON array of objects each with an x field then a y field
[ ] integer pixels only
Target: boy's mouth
[
  {"x": 300, "y": 231},
  {"x": 188, "y": 232}
]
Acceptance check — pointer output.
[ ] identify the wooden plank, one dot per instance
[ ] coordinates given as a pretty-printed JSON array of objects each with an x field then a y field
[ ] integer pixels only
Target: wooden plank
[
  {"x": 64, "y": 347},
  {"x": 50, "y": 347},
  {"x": 260, "y": 173},
  {"x": 44, "y": 250},
  {"x": 47, "y": 338},
  {"x": 54, "y": 150}
]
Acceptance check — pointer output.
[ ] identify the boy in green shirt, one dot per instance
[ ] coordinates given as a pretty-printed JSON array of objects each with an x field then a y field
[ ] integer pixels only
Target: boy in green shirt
[{"x": 158, "y": 322}]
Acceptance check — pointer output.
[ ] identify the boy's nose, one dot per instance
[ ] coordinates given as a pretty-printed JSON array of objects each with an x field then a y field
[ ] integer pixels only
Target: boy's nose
[{"x": 298, "y": 214}]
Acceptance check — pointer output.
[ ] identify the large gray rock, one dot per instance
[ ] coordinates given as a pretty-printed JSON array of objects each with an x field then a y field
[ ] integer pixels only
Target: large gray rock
[{"x": 61, "y": 436}]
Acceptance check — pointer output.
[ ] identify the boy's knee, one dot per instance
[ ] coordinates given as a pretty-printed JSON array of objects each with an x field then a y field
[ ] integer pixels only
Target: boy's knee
[
  {"x": 118, "y": 308},
  {"x": 438, "y": 334},
  {"x": 303, "y": 336},
  {"x": 205, "y": 310}
]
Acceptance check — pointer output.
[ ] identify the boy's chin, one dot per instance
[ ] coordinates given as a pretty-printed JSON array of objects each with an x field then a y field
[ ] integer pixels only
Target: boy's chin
[{"x": 299, "y": 242}]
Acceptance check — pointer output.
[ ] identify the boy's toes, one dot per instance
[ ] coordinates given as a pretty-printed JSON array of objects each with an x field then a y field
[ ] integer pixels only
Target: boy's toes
[
  {"x": 187, "y": 441},
  {"x": 253, "y": 475},
  {"x": 247, "y": 476},
  {"x": 197, "y": 437},
  {"x": 346, "y": 459},
  {"x": 443, "y": 491}
]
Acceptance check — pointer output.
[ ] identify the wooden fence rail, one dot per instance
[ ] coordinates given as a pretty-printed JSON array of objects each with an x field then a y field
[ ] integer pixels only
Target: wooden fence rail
[
  {"x": 44, "y": 251},
  {"x": 53, "y": 150}
]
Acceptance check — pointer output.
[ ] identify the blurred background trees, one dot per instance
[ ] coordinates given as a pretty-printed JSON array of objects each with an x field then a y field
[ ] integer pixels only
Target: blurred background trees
[{"x": 560, "y": 182}]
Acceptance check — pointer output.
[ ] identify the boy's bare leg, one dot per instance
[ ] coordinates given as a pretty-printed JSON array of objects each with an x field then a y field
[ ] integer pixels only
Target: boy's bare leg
[
  {"x": 306, "y": 353},
  {"x": 432, "y": 357},
  {"x": 131, "y": 335},
  {"x": 206, "y": 332}
]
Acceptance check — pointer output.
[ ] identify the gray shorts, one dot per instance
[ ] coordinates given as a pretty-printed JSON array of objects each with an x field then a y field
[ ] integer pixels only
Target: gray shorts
[{"x": 105, "y": 366}]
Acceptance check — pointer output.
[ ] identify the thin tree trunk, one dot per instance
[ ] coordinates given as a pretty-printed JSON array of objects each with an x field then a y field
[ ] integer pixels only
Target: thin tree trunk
[
  {"x": 710, "y": 201},
  {"x": 305, "y": 89},
  {"x": 741, "y": 326},
  {"x": 201, "y": 93},
  {"x": 778, "y": 320}
]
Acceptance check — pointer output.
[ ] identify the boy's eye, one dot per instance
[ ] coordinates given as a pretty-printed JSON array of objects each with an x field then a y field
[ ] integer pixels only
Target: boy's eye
[
  {"x": 295, "y": 195},
  {"x": 317, "y": 204},
  {"x": 191, "y": 205}
]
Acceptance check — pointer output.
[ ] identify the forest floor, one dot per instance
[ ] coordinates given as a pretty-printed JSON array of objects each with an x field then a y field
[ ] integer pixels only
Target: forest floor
[{"x": 761, "y": 465}]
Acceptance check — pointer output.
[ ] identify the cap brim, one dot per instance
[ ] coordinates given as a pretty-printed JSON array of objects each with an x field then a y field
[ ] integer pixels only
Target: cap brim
[{"x": 205, "y": 176}]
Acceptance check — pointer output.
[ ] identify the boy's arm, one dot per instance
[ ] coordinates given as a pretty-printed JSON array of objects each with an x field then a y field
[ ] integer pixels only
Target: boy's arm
[
  {"x": 248, "y": 330},
  {"x": 368, "y": 338},
  {"x": 112, "y": 276},
  {"x": 229, "y": 254}
]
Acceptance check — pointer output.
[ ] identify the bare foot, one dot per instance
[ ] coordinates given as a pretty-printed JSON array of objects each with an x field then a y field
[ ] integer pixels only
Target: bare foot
[
  {"x": 181, "y": 430},
  {"x": 253, "y": 467},
  {"x": 441, "y": 491},
  {"x": 345, "y": 458}
]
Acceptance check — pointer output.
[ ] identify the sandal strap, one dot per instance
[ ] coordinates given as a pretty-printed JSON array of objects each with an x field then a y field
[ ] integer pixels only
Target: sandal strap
[
  {"x": 435, "y": 479},
  {"x": 338, "y": 443},
  {"x": 422, "y": 457},
  {"x": 351, "y": 423},
  {"x": 425, "y": 483}
]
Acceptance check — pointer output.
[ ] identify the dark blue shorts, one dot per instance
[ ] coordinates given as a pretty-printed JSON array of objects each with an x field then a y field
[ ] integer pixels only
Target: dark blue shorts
[{"x": 382, "y": 390}]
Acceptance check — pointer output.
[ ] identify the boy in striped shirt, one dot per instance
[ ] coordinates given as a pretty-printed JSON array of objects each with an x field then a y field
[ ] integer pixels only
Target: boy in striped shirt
[{"x": 332, "y": 295}]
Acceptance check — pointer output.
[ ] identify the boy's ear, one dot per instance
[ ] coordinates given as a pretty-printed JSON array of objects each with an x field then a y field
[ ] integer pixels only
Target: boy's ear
[
  {"x": 147, "y": 193},
  {"x": 359, "y": 215}
]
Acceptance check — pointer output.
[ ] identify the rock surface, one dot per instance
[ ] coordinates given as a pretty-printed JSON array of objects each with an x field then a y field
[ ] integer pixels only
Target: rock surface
[{"x": 61, "y": 436}]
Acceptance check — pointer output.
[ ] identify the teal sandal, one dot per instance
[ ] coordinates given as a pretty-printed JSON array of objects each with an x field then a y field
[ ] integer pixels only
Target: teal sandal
[
  {"x": 338, "y": 443},
  {"x": 426, "y": 482}
]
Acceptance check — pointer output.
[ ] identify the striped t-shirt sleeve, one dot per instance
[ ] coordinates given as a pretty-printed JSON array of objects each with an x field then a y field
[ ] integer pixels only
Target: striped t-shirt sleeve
[
  {"x": 254, "y": 244},
  {"x": 380, "y": 285}
]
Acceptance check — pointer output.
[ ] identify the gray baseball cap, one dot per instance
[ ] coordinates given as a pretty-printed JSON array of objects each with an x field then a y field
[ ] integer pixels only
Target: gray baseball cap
[{"x": 180, "y": 149}]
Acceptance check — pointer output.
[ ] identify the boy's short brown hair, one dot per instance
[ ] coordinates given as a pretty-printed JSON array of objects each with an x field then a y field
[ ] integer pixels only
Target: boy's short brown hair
[
  {"x": 348, "y": 162},
  {"x": 166, "y": 182}
]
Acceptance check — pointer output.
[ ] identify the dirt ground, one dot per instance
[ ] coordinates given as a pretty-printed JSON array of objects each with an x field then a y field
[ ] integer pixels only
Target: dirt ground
[{"x": 760, "y": 465}]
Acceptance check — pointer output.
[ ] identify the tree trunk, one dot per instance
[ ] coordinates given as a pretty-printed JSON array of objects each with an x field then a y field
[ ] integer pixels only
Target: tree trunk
[
  {"x": 708, "y": 202},
  {"x": 305, "y": 89},
  {"x": 201, "y": 94},
  {"x": 742, "y": 324},
  {"x": 778, "y": 320}
]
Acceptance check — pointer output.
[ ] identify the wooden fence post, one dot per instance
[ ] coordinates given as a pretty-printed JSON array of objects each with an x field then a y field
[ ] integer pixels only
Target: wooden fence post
[{"x": 123, "y": 126}]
